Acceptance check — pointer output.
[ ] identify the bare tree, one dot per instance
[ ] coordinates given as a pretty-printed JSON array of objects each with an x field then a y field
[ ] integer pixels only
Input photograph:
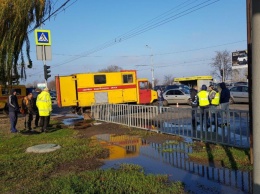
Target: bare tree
[
  {"x": 221, "y": 64},
  {"x": 111, "y": 68},
  {"x": 168, "y": 79},
  {"x": 32, "y": 85},
  {"x": 156, "y": 82},
  {"x": 52, "y": 84}
]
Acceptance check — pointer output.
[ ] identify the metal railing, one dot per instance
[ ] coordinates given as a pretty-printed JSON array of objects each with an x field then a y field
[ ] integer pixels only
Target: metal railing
[{"x": 216, "y": 126}]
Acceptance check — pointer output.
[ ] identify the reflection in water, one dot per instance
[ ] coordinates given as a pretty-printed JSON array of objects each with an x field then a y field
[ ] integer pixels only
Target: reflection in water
[
  {"x": 172, "y": 158},
  {"x": 120, "y": 146},
  {"x": 72, "y": 121},
  {"x": 179, "y": 158}
]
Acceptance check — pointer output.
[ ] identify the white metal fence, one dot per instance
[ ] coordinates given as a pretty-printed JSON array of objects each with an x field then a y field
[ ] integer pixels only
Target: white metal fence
[{"x": 230, "y": 128}]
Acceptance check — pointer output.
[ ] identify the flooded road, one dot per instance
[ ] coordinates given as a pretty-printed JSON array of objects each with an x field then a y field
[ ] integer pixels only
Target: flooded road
[{"x": 171, "y": 158}]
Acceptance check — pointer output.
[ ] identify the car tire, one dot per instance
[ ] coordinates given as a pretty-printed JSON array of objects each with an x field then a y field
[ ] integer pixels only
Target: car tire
[
  {"x": 165, "y": 103},
  {"x": 231, "y": 101}
]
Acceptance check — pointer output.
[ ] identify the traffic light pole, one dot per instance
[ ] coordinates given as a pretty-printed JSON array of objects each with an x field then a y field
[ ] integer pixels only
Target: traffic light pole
[{"x": 44, "y": 61}]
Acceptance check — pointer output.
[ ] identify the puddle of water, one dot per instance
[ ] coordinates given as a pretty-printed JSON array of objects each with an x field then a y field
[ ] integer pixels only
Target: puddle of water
[
  {"x": 71, "y": 121},
  {"x": 171, "y": 159}
]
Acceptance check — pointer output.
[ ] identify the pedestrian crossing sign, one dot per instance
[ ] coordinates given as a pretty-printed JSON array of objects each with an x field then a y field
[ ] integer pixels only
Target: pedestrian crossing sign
[{"x": 42, "y": 37}]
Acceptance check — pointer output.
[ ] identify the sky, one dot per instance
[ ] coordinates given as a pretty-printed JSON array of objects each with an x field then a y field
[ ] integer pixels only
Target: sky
[{"x": 177, "y": 38}]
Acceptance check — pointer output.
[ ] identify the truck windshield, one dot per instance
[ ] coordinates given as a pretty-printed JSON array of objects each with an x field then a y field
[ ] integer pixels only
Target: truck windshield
[{"x": 143, "y": 85}]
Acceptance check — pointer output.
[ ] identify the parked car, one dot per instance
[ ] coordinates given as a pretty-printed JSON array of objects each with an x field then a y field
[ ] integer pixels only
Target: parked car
[
  {"x": 177, "y": 86},
  {"x": 53, "y": 95},
  {"x": 174, "y": 96},
  {"x": 242, "y": 59},
  {"x": 239, "y": 94},
  {"x": 240, "y": 83}
]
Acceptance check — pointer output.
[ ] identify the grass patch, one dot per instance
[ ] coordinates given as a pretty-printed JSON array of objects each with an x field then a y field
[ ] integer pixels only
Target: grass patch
[
  {"x": 20, "y": 169},
  {"x": 228, "y": 157},
  {"x": 57, "y": 172},
  {"x": 126, "y": 179}
]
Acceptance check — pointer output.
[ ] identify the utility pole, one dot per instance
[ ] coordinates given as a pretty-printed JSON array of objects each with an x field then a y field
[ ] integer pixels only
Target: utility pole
[
  {"x": 249, "y": 77},
  {"x": 255, "y": 72},
  {"x": 152, "y": 65}
]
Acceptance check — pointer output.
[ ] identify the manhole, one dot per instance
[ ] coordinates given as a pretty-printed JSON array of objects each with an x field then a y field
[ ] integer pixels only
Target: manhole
[{"x": 43, "y": 148}]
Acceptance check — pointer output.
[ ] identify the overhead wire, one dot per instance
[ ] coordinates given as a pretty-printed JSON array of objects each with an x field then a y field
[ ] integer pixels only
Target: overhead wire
[
  {"x": 113, "y": 42},
  {"x": 49, "y": 16},
  {"x": 157, "y": 54}
]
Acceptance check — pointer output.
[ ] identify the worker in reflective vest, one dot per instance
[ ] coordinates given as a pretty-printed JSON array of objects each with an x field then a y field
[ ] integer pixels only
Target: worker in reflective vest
[
  {"x": 44, "y": 105},
  {"x": 214, "y": 97},
  {"x": 203, "y": 98}
]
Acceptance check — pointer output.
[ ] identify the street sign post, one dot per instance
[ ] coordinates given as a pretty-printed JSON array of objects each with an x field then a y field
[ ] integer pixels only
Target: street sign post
[{"x": 43, "y": 49}]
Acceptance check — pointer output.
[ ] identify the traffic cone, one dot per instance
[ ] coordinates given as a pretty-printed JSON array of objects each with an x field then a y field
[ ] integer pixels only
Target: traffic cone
[{"x": 177, "y": 105}]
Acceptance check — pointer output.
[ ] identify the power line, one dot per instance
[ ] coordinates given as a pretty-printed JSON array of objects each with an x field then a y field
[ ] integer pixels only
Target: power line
[
  {"x": 176, "y": 52},
  {"x": 169, "y": 19},
  {"x": 112, "y": 42},
  {"x": 159, "y": 54},
  {"x": 50, "y": 15}
]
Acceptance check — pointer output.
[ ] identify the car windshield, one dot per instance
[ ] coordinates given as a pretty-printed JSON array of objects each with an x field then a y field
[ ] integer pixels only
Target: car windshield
[
  {"x": 52, "y": 93},
  {"x": 186, "y": 91},
  {"x": 242, "y": 55}
]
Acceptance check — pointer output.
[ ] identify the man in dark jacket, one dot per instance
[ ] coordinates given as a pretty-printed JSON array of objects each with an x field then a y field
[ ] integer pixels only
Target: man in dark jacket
[
  {"x": 194, "y": 105},
  {"x": 27, "y": 105},
  {"x": 224, "y": 102},
  {"x": 35, "y": 108},
  {"x": 13, "y": 110},
  {"x": 160, "y": 98}
]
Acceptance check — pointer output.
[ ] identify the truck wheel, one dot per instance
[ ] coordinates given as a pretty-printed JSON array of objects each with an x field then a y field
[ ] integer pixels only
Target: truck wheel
[{"x": 156, "y": 103}]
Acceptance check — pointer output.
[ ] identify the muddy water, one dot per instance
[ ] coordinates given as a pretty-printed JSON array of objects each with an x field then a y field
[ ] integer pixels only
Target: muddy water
[
  {"x": 171, "y": 158},
  {"x": 72, "y": 120}
]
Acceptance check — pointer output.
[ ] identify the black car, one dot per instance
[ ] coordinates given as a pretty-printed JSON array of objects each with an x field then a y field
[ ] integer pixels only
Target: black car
[
  {"x": 158, "y": 87},
  {"x": 53, "y": 95}
]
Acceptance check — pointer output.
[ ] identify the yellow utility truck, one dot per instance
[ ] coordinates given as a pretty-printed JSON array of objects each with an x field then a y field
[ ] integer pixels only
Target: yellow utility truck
[
  {"x": 5, "y": 92},
  {"x": 82, "y": 90}
]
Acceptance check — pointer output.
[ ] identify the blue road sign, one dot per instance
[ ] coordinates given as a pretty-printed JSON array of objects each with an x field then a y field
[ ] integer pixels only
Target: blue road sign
[{"x": 43, "y": 37}]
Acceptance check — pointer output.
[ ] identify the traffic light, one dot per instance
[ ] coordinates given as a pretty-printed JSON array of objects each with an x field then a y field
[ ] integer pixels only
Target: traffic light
[
  {"x": 221, "y": 72},
  {"x": 47, "y": 71}
]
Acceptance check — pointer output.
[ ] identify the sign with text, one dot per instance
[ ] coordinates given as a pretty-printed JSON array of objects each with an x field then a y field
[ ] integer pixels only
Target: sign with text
[{"x": 239, "y": 59}]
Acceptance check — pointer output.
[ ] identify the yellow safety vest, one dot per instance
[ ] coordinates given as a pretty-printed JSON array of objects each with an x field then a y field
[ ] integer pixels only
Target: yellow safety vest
[
  {"x": 44, "y": 103},
  {"x": 215, "y": 101},
  {"x": 203, "y": 98}
]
